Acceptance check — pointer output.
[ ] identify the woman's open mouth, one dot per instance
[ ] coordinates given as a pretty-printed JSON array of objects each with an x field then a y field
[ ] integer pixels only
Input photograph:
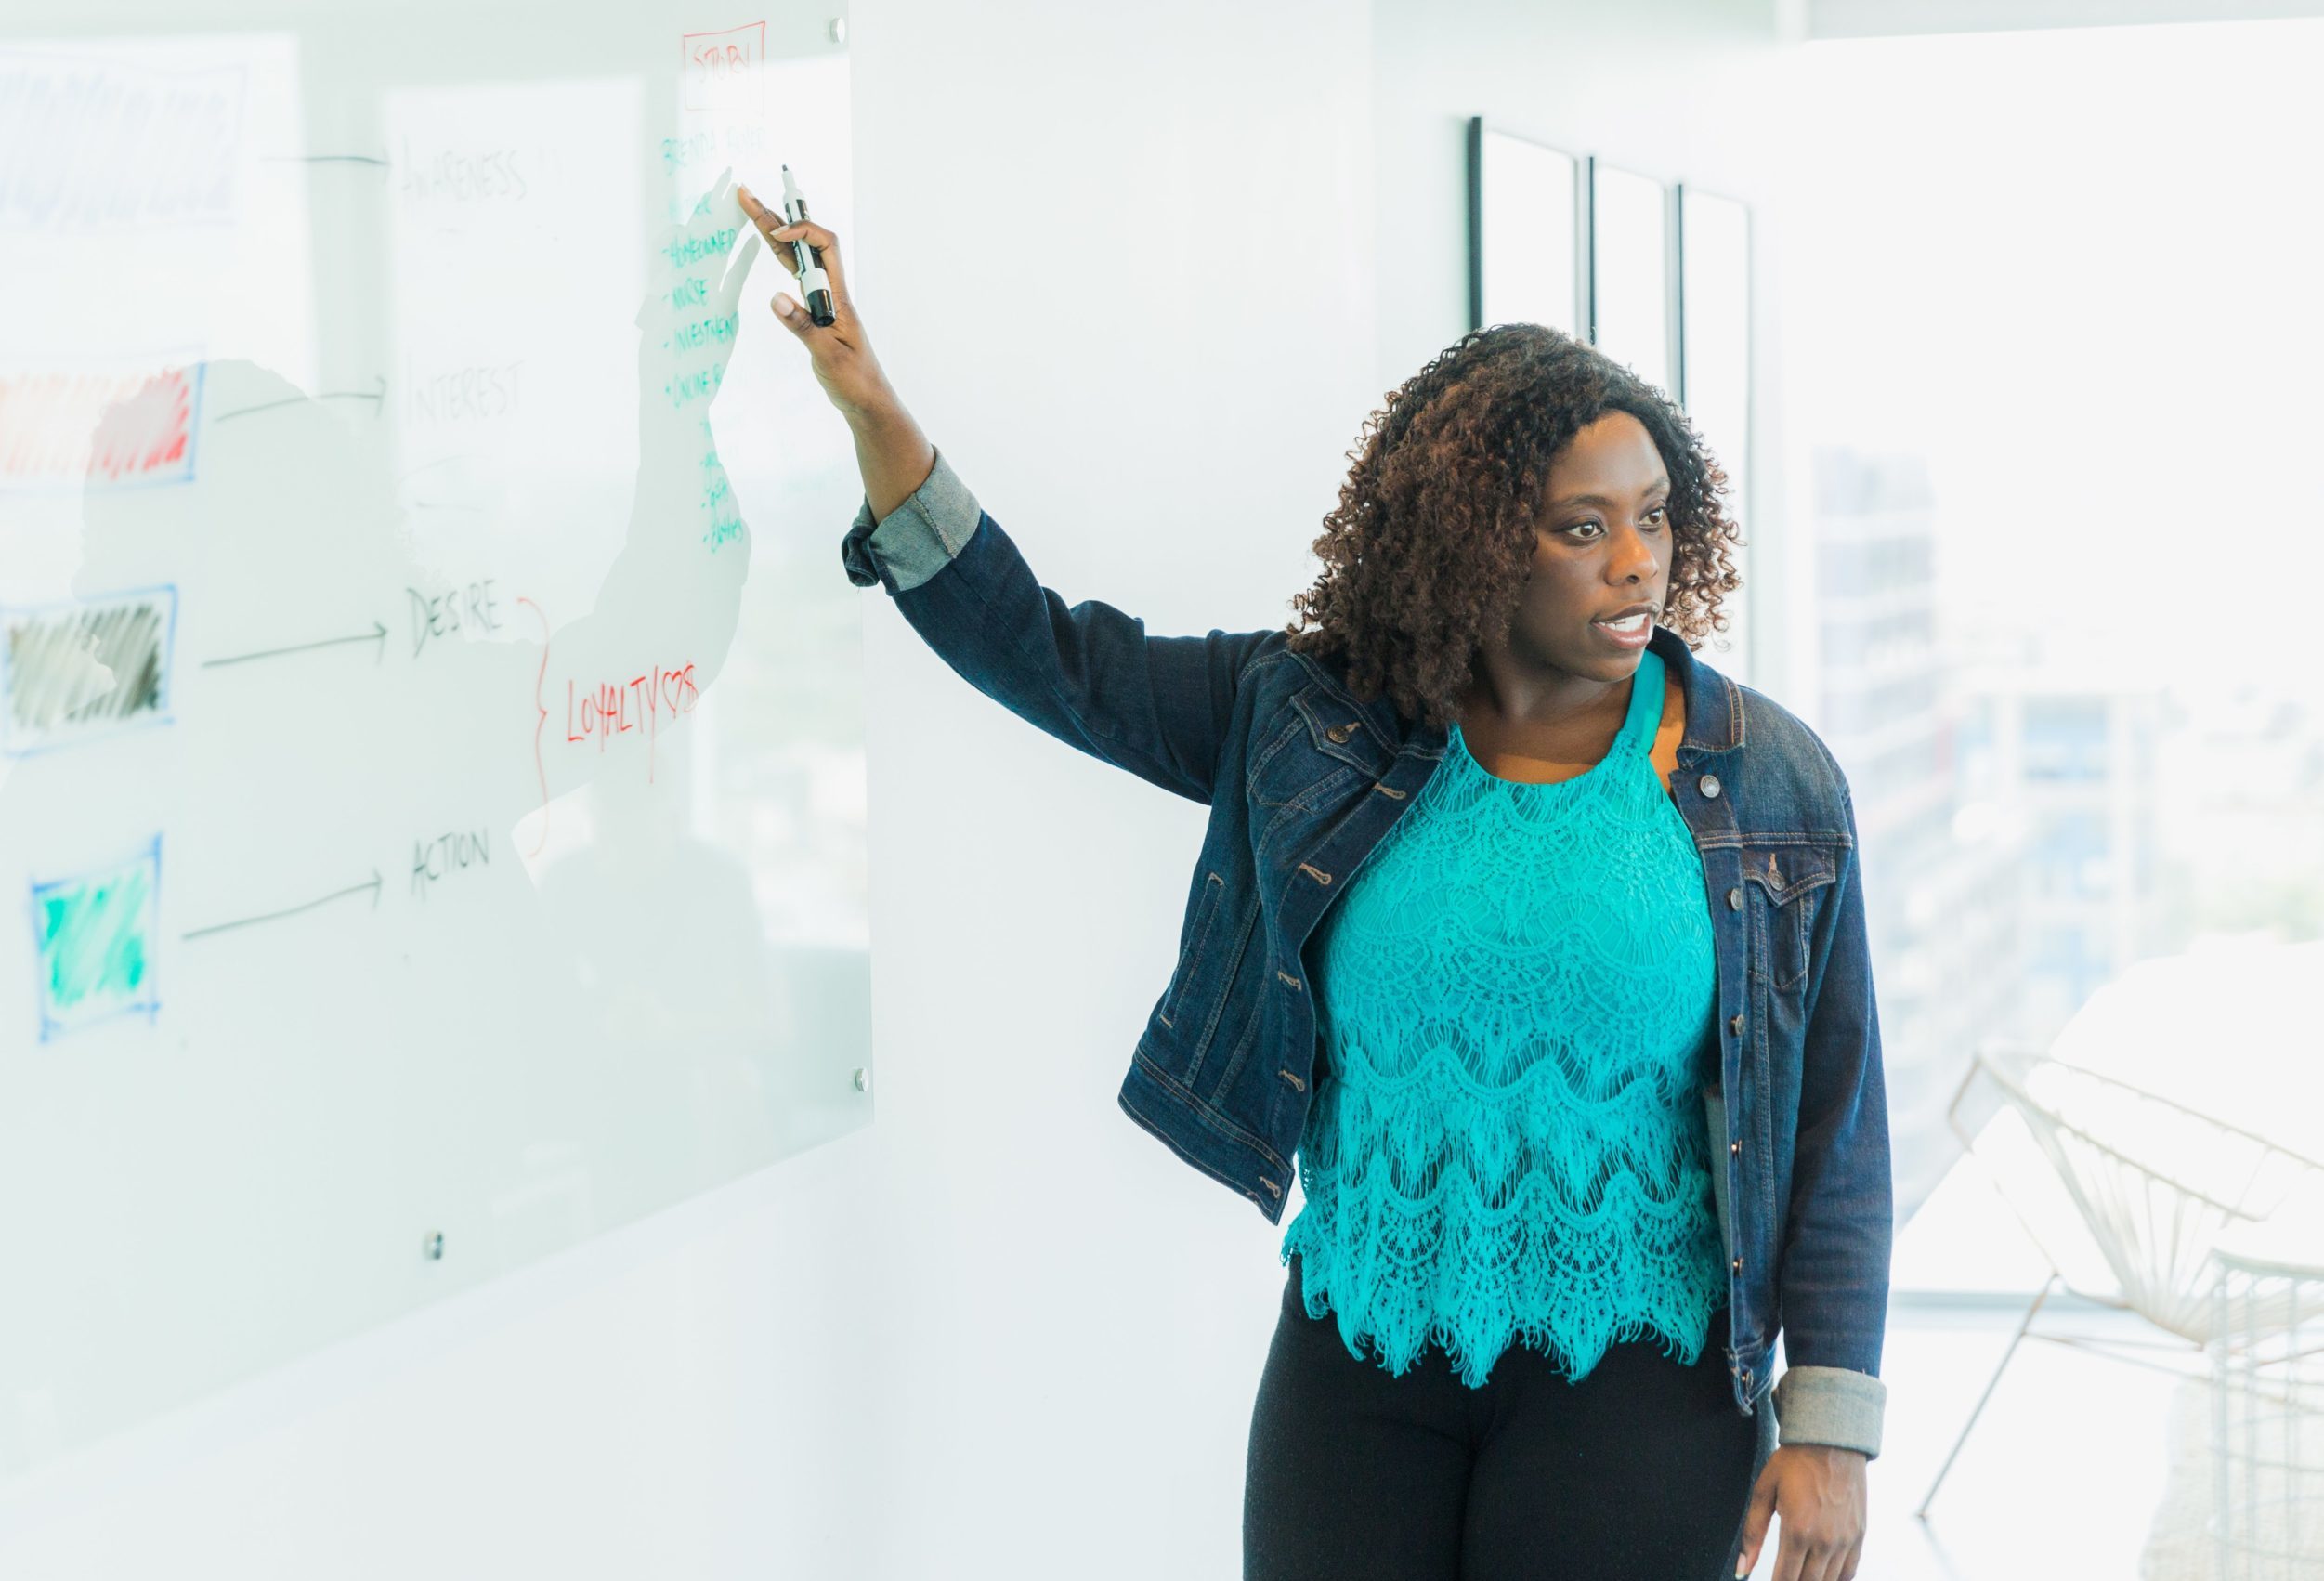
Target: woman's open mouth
[{"x": 1629, "y": 633}]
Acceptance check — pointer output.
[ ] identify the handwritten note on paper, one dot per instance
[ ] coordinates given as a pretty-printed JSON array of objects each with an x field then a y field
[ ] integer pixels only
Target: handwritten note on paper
[
  {"x": 103, "y": 426},
  {"x": 91, "y": 144}
]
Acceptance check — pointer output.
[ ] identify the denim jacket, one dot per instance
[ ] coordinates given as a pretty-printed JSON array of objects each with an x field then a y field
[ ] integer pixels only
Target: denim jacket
[{"x": 1302, "y": 779}]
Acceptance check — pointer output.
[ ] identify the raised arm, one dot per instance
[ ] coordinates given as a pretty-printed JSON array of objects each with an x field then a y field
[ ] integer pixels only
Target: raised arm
[{"x": 1088, "y": 673}]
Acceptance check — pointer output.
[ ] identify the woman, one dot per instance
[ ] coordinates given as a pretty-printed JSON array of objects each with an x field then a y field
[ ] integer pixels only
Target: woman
[{"x": 1588, "y": 888}]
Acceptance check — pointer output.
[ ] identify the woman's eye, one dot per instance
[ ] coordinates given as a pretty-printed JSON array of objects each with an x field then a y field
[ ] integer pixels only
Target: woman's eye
[{"x": 1661, "y": 511}]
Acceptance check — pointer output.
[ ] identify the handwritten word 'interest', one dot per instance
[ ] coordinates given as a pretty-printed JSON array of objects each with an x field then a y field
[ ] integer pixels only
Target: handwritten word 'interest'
[{"x": 471, "y": 394}]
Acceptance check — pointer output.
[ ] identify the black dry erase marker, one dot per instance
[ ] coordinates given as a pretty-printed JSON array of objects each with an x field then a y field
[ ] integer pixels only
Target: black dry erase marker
[{"x": 807, "y": 261}]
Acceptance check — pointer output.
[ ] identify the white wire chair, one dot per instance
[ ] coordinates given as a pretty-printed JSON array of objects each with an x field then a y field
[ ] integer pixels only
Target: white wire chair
[
  {"x": 2143, "y": 1180},
  {"x": 2267, "y": 1404}
]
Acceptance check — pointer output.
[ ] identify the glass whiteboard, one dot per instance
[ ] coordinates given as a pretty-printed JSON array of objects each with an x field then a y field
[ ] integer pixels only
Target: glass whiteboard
[{"x": 432, "y": 786}]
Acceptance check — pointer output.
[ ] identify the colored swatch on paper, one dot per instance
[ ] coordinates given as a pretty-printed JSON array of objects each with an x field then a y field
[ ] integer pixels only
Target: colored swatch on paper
[
  {"x": 77, "y": 672},
  {"x": 94, "y": 936},
  {"x": 98, "y": 427}
]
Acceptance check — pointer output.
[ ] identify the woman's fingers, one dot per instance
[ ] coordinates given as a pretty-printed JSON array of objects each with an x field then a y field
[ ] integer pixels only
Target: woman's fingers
[
  {"x": 793, "y": 316},
  {"x": 826, "y": 256},
  {"x": 781, "y": 236},
  {"x": 765, "y": 222}
]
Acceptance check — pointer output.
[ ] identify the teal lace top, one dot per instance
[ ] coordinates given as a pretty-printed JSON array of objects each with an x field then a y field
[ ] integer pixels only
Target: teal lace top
[{"x": 1507, "y": 1135}]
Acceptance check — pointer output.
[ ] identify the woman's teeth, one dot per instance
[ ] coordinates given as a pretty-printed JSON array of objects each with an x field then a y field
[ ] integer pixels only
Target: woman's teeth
[{"x": 1630, "y": 625}]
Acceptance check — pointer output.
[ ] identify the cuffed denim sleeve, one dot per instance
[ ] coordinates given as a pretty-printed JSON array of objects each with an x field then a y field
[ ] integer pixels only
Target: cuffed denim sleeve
[
  {"x": 1087, "y": 673},
  {"x": 1833, "y": 1277},
  {"x": 918, "y": 538},
  {"x": 1830, "y": 1405}
]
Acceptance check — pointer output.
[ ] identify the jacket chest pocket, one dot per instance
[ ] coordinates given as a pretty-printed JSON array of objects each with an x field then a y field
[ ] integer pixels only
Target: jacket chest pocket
[
  {"x": 1316, "y": 750},
  {"x": 1788, "y": 883}
]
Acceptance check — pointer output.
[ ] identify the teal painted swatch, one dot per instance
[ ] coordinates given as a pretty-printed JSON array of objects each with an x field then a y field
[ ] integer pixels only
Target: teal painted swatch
[{"x": 95, "y": 935}]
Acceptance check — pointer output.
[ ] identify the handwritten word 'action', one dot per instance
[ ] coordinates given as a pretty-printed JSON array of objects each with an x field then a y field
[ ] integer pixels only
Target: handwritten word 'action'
[{"x": 433, "y": 861}]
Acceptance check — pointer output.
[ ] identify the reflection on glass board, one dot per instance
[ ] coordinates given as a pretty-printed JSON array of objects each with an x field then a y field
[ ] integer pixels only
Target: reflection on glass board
[
  {"x": 1525, "y": 235},
  {"x": 500, "y": 439},
  {"x": 432, "y": 781},
  {"x": 104, "y": 145},
  {"x": 1630, "y": 272},
  {"x": 1715, "y": 296}
]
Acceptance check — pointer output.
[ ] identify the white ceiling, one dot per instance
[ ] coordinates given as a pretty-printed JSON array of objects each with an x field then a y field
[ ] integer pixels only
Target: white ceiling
[{"x": 1866, "y": 19}]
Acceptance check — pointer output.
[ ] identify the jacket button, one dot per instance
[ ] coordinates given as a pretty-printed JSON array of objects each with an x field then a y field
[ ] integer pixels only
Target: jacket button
[
  {"x": 1337, "y": 734},
  {"x": 1708, "y": 785},
  {"x": 1734, "y": 1025},
  {"x": 1738, "y": 1261},
  {"x": 1734, "y": 1147},
  {"x": 1734, "y": 899}
]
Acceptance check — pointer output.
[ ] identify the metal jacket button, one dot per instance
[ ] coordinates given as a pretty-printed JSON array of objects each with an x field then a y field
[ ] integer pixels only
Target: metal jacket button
[
  {"x": 1738, "y": 1265},
  {"x": 1708, "y": 785},
  {"x": 1734, "y": 899},
  {"x": 1734, "y": 1147},
  {"x": 1337, "y": 734},
  {"x": 1734, "y": 1025}
]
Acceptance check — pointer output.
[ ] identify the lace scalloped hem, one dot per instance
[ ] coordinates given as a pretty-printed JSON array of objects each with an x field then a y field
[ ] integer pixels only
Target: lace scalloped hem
[{"x": 1474, "y": 1349}]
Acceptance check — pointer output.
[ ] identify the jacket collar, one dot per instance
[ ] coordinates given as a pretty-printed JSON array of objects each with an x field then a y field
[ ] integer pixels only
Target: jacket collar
[{"x": 1714, "y": 711}]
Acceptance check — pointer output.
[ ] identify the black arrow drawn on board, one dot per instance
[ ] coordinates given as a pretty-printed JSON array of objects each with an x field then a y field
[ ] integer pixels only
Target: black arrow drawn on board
[
  {"x": 327, "y": 159},
  {"x": 378, "y": 633},
  {"x": 378, "y": 398},
  {"x": 276, "y": 916}
]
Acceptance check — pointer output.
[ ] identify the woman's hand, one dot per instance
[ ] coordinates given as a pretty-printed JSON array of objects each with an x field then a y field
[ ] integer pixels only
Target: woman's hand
[
  {"x": 894, "y": 455},
  {"x": 1817, "y": 1491},
  {"x": 844, "y": 366}
]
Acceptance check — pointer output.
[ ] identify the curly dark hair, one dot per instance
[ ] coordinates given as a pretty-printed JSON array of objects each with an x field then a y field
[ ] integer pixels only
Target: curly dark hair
[{"x": 1428, "y": 548}]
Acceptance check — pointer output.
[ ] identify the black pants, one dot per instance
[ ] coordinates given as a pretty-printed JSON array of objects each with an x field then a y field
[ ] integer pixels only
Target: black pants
[{"x": 1642, "y": 1471}]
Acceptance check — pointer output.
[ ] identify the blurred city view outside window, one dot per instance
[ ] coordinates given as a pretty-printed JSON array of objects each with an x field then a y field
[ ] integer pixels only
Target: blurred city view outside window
[{"x": 2052, "y": 386}]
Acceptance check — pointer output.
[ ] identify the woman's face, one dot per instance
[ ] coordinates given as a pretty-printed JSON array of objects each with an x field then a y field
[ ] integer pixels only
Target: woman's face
[{"x": 1603, "y": 544}]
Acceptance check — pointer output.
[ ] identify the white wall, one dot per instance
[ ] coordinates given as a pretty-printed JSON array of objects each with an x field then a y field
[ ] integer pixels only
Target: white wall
[{"x": 1002, "y": 1331}]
